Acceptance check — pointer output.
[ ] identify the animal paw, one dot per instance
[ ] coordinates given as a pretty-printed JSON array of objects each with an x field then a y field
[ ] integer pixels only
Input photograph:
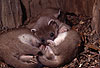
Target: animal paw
[{"x": 51, "y": 43}]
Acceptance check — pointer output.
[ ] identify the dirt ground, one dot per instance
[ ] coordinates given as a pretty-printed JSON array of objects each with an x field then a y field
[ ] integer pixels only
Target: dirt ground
[{"x": 90, "y": 57}]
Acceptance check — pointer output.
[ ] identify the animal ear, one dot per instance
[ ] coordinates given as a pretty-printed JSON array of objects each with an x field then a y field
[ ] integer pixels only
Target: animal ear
[
  {"x": 33, "y": 30},
  {"x": 53, "y": 23},
  {"x": 57, "y": 14}
]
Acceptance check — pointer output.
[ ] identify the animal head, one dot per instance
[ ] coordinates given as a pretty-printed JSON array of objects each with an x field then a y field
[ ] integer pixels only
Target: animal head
[{"x": 45, "y": 28}]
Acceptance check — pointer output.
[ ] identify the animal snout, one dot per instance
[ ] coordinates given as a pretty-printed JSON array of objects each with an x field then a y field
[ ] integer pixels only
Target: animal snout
[{"x": 42, "y": 40}]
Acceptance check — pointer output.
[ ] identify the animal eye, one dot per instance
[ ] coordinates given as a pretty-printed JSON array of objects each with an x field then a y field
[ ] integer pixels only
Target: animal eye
[{"x": 52, "y": 34}]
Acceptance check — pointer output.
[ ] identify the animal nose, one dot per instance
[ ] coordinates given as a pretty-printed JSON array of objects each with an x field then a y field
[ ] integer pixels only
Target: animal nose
[{"x": 42, "y": 40}]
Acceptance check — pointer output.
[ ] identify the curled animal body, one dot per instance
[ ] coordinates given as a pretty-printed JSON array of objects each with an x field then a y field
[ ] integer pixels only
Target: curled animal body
[
  {"x": 62, "y": 50},
  {"x": 63, "y": 42},
  {"x": 16, "y": 43}
]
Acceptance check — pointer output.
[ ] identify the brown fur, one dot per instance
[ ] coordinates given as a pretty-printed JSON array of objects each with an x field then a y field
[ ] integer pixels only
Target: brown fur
[
  {"x": 66, "y": 51},
  {"x": 11, "y": 48},
  {"x": 43, "y": 30}
]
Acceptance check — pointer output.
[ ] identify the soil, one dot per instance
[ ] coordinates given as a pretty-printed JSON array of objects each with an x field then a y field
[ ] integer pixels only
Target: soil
[{"x": 90, "y": 57}]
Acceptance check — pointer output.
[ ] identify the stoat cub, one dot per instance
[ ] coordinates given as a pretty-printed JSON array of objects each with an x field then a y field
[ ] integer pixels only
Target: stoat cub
[
  {"x": 16, "y": 43},
  {"x": 63, "y": 48}
]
